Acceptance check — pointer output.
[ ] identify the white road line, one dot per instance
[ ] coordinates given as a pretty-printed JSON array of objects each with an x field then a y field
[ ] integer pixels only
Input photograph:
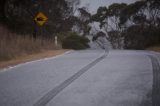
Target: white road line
[{"x": 30, "y": 62}]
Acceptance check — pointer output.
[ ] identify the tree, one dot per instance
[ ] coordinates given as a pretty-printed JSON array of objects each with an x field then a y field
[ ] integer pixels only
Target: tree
[
  {"x": 109, "y": 19},
  {"x": 144, "y": 31},
  {"x": 135, "y": 26},
  {"x": 2, "y": 10},
  {"x": 19, "y": 15},
  {"x": 116, "y": 39},
  {"x": 82, "y": 21}
]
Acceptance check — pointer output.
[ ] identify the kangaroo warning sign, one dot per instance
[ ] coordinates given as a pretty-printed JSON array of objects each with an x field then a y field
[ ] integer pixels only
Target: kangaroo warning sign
[{"x": 40, "y": 18}]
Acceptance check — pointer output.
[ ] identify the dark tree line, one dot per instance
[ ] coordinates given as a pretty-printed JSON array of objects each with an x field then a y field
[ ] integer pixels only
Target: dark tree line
[
  {"x": 18, "y": 15},
  {"x": 145, "y": 31},
  {"x": 130, "y": 26},
  {"x": 133, "y": 26}
]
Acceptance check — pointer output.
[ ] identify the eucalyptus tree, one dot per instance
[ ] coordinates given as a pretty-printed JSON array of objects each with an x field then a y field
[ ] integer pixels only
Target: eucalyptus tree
[
  {"x": 144, "y": 31},
  {"x": 82, "y": 21},
  {"x": 109, "y": 19},
  {"x": 2, "y": 10},
  {"x": 19, "y": 15}
]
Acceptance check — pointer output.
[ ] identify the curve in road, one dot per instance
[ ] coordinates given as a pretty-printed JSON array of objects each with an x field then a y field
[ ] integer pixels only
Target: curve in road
[
  {"x": 156, "y": 81},
  {"x": 51, "y": 94}
]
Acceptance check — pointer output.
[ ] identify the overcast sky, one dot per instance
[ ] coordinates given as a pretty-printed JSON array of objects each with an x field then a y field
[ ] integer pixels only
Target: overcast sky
[{"x": 94, "y": 4}]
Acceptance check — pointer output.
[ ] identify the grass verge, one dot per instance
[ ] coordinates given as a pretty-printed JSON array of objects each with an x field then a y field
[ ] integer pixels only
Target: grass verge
[
  {"x": 15, "y": 49},
  {"x": 27, "y": 58}
]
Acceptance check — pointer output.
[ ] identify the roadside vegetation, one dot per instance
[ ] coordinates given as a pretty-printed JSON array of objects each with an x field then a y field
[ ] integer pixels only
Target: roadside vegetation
[
  {"x": 20, "y": 35},
  {"x": 131, "y": 26},
  {"x": 13, "y": 45},
  {"x": 70, "y": 40},
  {"x": 126, "y": 26},
  {"x": 155, "y": 48}
]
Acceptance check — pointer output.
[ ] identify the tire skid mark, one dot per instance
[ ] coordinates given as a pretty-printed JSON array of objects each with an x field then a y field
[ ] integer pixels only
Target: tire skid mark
[
  {"x": 51, "y": 94},
  {"x": 156, "y": 81}
]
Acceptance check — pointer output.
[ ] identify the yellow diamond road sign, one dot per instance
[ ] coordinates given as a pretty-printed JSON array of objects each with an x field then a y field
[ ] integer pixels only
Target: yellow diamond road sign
[{"x": 40, "y": 18}]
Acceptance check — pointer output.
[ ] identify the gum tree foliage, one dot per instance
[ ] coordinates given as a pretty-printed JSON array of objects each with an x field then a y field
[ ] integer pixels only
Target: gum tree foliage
[
  {"x": 109, "y": 19},
  {"x": 133, "y": 26},
  {"x": 2, "y": 10},
  {"x": 145, "y": 30},
  {"x": 19, "y": 14},
  {"x": 82, "y": 21}
]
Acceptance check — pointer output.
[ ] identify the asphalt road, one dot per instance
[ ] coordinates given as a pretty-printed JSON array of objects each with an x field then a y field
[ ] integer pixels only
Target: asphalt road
[{"x": 84, "y": 78}]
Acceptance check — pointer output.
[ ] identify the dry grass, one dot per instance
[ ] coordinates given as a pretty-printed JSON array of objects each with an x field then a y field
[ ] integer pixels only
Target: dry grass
[
  {"x": 26, "y": 58},
  {"x": 13, "y": 46},
  {"x": 15, "y": 49},
  {"x": 156, "y": 49}
]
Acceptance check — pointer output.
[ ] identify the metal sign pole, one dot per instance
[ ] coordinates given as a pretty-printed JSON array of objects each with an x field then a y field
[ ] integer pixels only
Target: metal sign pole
[{"x": 35, "y": 30}]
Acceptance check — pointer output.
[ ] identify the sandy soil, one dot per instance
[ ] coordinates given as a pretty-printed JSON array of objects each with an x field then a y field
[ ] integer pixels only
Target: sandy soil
[{"x": 26, "y": 58}]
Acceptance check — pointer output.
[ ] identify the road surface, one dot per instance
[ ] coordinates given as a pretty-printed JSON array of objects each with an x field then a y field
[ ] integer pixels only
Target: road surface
[{"x": 84, "y": 78}]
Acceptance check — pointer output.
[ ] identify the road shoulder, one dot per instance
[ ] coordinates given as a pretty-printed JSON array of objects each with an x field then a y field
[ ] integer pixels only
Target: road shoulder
[{"x": 32, "y": 57}]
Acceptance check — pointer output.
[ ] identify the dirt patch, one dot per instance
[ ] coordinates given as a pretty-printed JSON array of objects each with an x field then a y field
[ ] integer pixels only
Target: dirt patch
[
  {"x": 26, "y": 58},
  {"x": 156, "y": 49}
]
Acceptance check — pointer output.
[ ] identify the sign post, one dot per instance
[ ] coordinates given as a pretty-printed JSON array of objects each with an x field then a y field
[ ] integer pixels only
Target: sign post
[{"x": 40, "y": 18}]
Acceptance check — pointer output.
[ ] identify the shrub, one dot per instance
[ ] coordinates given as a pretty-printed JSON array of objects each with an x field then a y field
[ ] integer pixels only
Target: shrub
[
  {"x": 73, "y": 41},
  {"x": 141, "y": 37}
]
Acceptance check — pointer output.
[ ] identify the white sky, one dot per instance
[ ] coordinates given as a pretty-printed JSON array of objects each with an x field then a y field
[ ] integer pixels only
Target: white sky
[{"x": 94, "y": 4}]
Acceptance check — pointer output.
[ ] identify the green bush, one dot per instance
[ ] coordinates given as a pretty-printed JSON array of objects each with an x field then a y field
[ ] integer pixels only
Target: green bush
[
  {"x": 73, "y": 41},
  {"x": 141, "y": 37}
]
